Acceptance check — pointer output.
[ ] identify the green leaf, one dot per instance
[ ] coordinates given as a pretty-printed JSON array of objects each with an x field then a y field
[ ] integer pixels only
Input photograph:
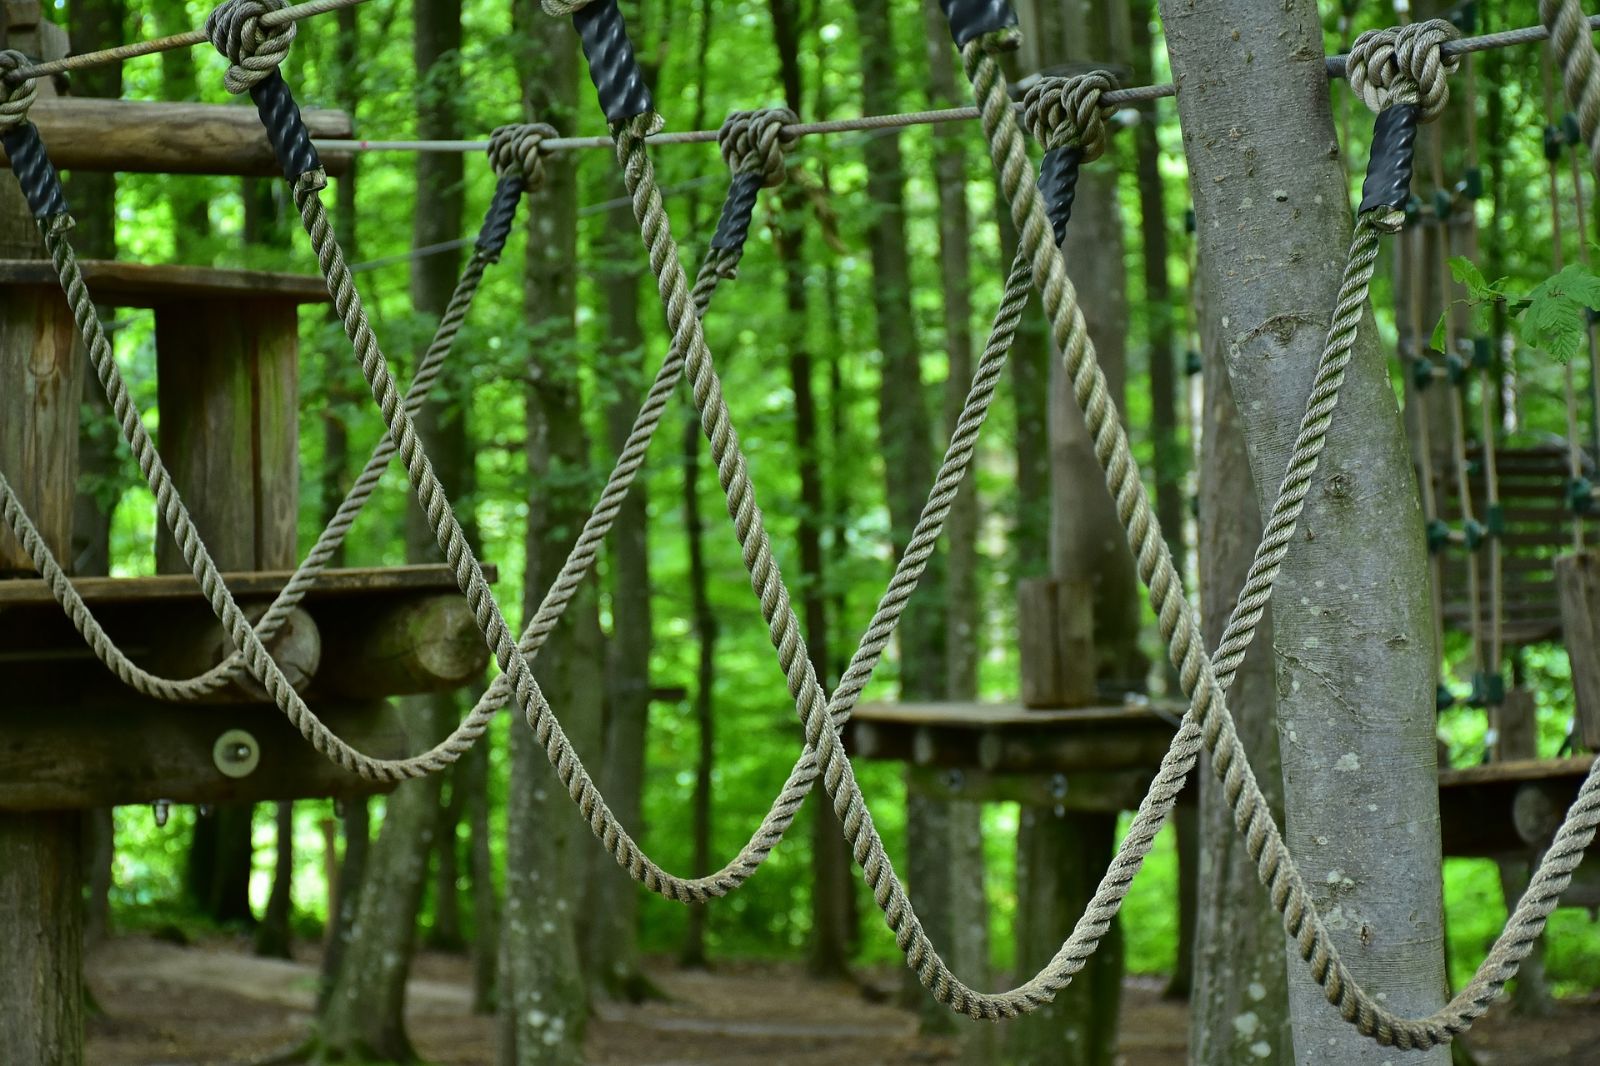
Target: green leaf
[
  {"x": 1436, "y": 342},
  {"x": 1467, "y": 273}
]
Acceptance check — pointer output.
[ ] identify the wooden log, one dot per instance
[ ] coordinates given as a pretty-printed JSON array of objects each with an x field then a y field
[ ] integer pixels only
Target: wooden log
[
  {"x": 1056, "y": 642},
  {"x": 192, "y": 648},
  {"x": 138, "y": 136},
  {"x": 1578, "y": 578},
  {"x": 419, "y": 645},
  {"x": 1516, "y": 726},
  {"x": 1018, "y": 751},
  {"x": 139, "y": 751},
  {"x": 41, "y": 869},
  {"x": 118, "y": 284},
  {"x": 1105, "y": 792}
]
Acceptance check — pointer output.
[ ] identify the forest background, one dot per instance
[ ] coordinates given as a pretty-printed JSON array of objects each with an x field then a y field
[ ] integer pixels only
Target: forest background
[{"x": 822, "y": 386}]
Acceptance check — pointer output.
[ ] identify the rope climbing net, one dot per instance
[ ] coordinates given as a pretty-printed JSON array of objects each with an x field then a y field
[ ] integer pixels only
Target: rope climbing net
[{"x": 1401, "y": 73}]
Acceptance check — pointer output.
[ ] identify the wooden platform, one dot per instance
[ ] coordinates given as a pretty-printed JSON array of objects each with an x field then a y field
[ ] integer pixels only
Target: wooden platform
[
  {"x": 72, "y": 736},
  {"x": 1102, "y": 758},
  {"x": 121, "y": 284}
]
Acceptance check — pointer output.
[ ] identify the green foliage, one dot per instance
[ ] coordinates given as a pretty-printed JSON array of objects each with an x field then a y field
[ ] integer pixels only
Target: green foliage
[{"x": 1552, "y": 317}]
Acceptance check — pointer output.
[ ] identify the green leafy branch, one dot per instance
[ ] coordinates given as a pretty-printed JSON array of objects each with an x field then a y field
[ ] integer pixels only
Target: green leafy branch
[{"x": 1553, "y": 317}]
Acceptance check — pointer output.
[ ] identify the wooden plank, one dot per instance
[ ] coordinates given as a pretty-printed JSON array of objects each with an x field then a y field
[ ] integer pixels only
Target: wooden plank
[
  {"x": 121, "y": 284},
  {"x": 1578, "y": 578},
  {"x": 1106, "y": 792},
  {"x": 246, "y": 585},
  {"x": 139, "y": 136},
  {"x": 139, "y": 751},
  {"x": 982, "y": 716}
]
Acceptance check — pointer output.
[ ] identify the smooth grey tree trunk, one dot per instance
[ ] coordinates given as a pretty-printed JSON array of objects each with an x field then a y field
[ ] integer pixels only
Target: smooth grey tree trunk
[
  {"x": 1354, "y": 647},
  {"x": 1240, "y": 999},
  {"x": 542, "y": 998}
]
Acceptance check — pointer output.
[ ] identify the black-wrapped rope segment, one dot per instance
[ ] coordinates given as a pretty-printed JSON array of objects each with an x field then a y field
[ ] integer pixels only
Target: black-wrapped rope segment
[
  {"x": 1058, "y": 181},
  {"x": 971, "y": 19},
  {"x": 612, "y": 65},
  {"x": 41, "y": 185},
  {"x": 286, "y": 131},
  {"x": 497, "y": 221},
  {"x": 737, "y": 210},
  {"x": 1394, "y": 143}
]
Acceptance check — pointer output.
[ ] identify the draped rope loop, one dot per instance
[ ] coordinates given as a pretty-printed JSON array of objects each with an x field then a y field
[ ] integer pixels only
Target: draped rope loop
[
  {"x": 1404, "y": 65},
  {"x": 16, "y": 95},
  {"x": 1063, "y": 111},
  {"x": 252, "y": 48},
  {"x": 518, "y": 149},
  {"x": 757, "y": 141}
]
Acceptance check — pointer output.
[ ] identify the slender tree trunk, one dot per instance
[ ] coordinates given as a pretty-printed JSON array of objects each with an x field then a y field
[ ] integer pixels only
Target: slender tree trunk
[
  {"x": 444, "y": 933},
  {"x": 96, "y": 24},
  {"x": 833, "y": 914},
  {"x": 542, "y": 1001},
  {"x": 187, "y": 197},
  {"x": 906, "y": 439},
  {"x": 1240, "y": 1010},
  {"x": 701, "y": 617},
  {"x": 1086, "y": 544},
  {"x": 472, "y": 774},
  {"x": 365, "y": 1011},
  {"x": 612, "y": 936},
  {"x": 1355, "y": 674},
  {"x": 273, "y": 938}
]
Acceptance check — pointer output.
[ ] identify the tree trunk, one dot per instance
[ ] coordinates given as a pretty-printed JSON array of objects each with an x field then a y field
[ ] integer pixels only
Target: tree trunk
[
  {"x": 702, "y": 618},
  {"x": 906, "y": 440},
  {"x": 1086, "y": 544},
  {"x": 364, "y": 1015},
  {"x": 1355, "y": 675},
  {"x": 96, "y": 24},
  {"x": 542, "y": 1001},
  {"x": 612, "y": 953},
  {"x": 472, "y": 777},
  {"x": 273, "y": 938},
  {"x": 1240, "y": 1010}
]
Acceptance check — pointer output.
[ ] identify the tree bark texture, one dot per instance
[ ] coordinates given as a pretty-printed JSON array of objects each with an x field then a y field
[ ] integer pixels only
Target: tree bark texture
[
  {"x": 1354, "y": 654},
  {"x": 1240, "y": 1001},
  {"x": 542, "y": 997}
]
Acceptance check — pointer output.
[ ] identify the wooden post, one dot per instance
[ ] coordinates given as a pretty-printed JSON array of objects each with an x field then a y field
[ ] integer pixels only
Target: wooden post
[
  {"x": 227, "y": 382},
  {"x": 41, "y": 869},
  {"x": 1055, "y": 624}
]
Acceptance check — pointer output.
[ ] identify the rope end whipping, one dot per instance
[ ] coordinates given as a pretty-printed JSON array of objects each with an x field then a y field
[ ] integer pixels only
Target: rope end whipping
[
  {"x": 1401, "y": 73},
  {"x": 614, "y": 69},
  {"x": 254, "y": 51},
  {"x": 1065, "y": 115},
  {"x": 41, "y": 185},
  {"x": 992, "y": 20},
  {"x": 753, "y": 144}
]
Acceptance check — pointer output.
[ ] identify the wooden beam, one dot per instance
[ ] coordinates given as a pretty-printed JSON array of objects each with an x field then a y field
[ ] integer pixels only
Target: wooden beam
[
  {"x": 1506, "y": 809},
  {"x": 1104, "y": 792},
  {"x": 139, "y": 751},
  {"x": 137, "y": 136},
  {"x": 360, "y": 582},
  {"x": 416, "y": 645},
  {"x": 1578, "y": 578},
  {"x": 118, "y": 284}
]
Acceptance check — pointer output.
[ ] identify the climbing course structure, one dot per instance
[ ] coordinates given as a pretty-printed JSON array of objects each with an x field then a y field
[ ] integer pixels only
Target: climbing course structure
[{"x": 306, "y": 649}]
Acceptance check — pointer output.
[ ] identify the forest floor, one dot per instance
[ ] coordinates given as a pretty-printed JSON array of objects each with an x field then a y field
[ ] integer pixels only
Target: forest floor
[{"x": 215, "y": 1003}]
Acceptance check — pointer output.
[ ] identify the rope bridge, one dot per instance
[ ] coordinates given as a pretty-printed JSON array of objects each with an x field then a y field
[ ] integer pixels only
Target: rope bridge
[{"x": 1401, "y": 73}]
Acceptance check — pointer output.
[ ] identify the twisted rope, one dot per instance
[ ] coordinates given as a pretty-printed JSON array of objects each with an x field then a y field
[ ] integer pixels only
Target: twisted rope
[
  {"x": 254, "y": 48},
  {"x": 1404, "y": 65},
  {"x": 757, "y": 141},
  {"x": 1580, "y": 68},
  {"x": 1063, "y": 111},
  {"x": 519, "y": 150},
  {"x": 16, "y": 93}
]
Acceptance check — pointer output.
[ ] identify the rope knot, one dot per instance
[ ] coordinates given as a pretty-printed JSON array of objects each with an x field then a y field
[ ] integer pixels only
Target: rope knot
[
  {"x": 1063, "y": 111},
  {"x": 252, "y": 49},
  {"x": 1404, "y": 65},
  {"x": 756, "y": 141},
  {"x": 519, "y": 150},
  {"x": 16, "y": 94}
]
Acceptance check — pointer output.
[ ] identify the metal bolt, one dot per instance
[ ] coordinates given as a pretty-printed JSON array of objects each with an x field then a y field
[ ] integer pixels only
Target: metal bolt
[{"x": 161, "y": 808}]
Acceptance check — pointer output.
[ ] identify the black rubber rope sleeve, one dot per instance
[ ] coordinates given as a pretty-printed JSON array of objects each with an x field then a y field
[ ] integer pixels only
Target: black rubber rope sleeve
[
  {"x": 737, "y": 210},
  {"x": 1058, "y": 181},
  {"x": 286, "y": 131},
  {"x": 41, "y": 185},
  {"x": 971, "y": 19},
  {"x": 1394, "y": 144},
  {"x": 497, "y": 221},
  {"x": 612, "y": 65}
]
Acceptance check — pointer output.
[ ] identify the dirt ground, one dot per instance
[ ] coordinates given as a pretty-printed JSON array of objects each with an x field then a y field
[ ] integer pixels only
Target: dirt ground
[{"x": 214, "y": 1003}]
